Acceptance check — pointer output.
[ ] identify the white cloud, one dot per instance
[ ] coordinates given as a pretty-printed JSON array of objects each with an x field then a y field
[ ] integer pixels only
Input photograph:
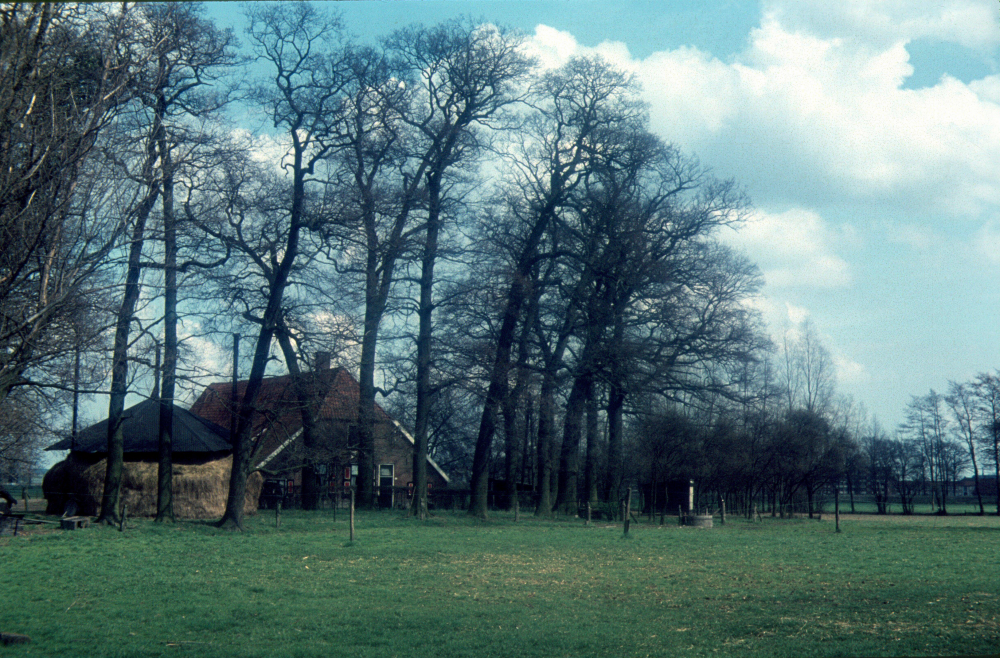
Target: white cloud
[
  {"x": 971, "y": 23},
  {"x": 794, "y": 249},
  {"x": 849, "y": 371},
  {"x": 797, "y": 314},
  {"x": 552, "y": 47},
  {"x": 806, "y": 115}
]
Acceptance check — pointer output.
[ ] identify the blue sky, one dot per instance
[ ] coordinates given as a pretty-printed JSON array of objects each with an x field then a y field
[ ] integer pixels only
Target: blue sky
[{"x": 866, "y": 133}]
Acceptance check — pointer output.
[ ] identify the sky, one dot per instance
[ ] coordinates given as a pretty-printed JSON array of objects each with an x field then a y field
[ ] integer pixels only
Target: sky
[{"x": 867, "y": 135}]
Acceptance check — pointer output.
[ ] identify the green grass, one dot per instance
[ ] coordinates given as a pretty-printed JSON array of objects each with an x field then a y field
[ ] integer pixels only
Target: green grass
[{"x": 885, "y": 586}]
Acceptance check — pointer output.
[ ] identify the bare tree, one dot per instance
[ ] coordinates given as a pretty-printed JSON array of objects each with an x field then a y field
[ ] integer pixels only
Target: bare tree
[
  {"x": 580, "y": 109},
  {"x": 305, "y": 103},
  {"x": 64, "y": 71},
  {"x": 908, "y": 471},
  {"x": 962, "y": 404},
  {"x": 465, "y": 74},
  {"x": 987, "y": 391},
  {"x": 193, "y": 54},
  {"x": 809, "y": 375},
  {"x": 926, "y": 425}
]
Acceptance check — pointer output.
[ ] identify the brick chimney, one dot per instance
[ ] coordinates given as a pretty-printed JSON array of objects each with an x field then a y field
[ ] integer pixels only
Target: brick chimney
[{"x": 322, "y": 360}]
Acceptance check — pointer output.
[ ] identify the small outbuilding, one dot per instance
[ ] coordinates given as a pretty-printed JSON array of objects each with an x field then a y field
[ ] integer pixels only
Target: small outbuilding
[{"x": 202, "y": 459}]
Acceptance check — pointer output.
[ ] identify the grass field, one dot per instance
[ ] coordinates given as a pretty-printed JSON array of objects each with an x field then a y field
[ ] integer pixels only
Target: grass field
[{"x": 885, "y": 586}]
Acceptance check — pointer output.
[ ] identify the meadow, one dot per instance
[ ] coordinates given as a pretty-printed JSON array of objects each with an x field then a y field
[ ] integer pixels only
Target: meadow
[{"x": 454, "y": 586}]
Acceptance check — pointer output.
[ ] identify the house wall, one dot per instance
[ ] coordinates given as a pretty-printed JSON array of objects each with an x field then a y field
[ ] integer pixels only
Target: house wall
[{"x": 391, "y": 448}]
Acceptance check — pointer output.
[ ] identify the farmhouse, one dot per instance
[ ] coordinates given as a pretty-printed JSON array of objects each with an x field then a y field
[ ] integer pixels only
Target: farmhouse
[
  {"x": 987, "y": 486},
  {"x": 202, "y": 457},
  {"x": 279, "y": 451}
]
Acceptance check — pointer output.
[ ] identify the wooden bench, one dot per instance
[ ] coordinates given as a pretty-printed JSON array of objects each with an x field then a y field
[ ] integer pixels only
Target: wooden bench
[{"x": 74, "y": 522}]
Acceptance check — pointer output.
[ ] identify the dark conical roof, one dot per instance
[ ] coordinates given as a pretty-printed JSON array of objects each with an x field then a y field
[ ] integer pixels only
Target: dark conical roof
[{"x": 141, "y": 424}]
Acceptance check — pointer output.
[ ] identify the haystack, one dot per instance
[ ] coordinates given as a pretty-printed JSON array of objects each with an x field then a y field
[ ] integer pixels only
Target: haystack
[{"x": 200, "y": 490}]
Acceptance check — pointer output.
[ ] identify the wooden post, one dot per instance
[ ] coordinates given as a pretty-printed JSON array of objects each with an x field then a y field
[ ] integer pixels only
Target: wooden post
[
  {"x": 836, "y": 507},
  {"x": 121, "y": 522},
  {"x": 24, "y": 494},
  {"x": 680, "y": 515},
  {"x": 517, "y": 508},
  {"x": 277, "y": 515},
  {"x": 352, "y": 514},
  {"x": 588, "y": 512},
  {"x": 628, "y": 510},
  {"x": 723, "y": 518}
]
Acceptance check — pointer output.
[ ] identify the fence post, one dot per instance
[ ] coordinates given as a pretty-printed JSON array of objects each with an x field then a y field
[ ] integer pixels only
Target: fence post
[
  {"x": 277, "y": 515},
  {"x": 836, "y": 507},
  {"x": 628, "y": 509},
  {"x": 723, "y": 519},
  {"x": 352, "y": 514}
]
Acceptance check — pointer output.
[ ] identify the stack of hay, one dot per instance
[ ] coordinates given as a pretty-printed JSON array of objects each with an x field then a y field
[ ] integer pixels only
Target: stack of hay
[
  {"x": 200, "y": 490},
  {"x": 202, "y": 460}
]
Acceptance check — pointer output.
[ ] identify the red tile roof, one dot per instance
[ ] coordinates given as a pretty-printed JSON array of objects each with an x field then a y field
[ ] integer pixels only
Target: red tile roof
[
  {"x": 277, "y": 407},
  {"x": 277, "y": 404}
]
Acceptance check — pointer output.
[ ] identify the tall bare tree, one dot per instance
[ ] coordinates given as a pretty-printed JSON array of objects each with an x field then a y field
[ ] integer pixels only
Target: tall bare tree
[
  {"x": 581, "y": 109},
  {"x": 305, "y": 101},
  {"x": 465, "y": 75},
  {"x": 64, "y": 70},
  {"x": 962, "y": 405},
  {"x": 193, "y": 55},
  {"x": 987, "y": 389}
]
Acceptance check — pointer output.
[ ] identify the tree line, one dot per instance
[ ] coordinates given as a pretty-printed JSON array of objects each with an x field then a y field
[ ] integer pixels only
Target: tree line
[{"x": 506, "y": 255}]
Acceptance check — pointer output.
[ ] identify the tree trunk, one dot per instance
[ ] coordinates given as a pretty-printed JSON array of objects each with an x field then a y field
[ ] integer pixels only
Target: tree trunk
[
  {"x": 119, "y": 359},
  {"x": 425, "y": 311},
  {"x": 164, "y": 480},
  {"x": 517, "y": 294},
  {"x": 366, "y": 416},
  {"x": 590, "y": 467},
  {"x": 495, "y": 394},
  {"x": 511, "y": 444},
  {"x": 569, "y": 457},
  {"x": 546, "y": 425},
  {"x": 309, "y": 397},
  {"x": 242, "y": 443},
  {"x": 232, "y": 518},
  {"x": 511, "y": 403},
  {"x": 616, "y": 401},
  {"x": 996, "y": 463},
  {"x": 378, "y": 282}
]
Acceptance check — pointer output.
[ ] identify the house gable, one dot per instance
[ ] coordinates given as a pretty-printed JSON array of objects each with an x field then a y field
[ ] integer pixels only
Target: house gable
[{"x": 277, "y": 425}]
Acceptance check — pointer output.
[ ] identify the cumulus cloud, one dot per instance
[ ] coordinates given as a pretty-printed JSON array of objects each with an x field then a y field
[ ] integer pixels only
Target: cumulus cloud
[
  {"x": 551, "y": 47},
  {"x": 795, "y": 248},
  {"x": 797, "y": 314},
  {"x": 849, "y": 371},
  {"x": 971, "y": 23},
  {"x": 804, "y": 114}
]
